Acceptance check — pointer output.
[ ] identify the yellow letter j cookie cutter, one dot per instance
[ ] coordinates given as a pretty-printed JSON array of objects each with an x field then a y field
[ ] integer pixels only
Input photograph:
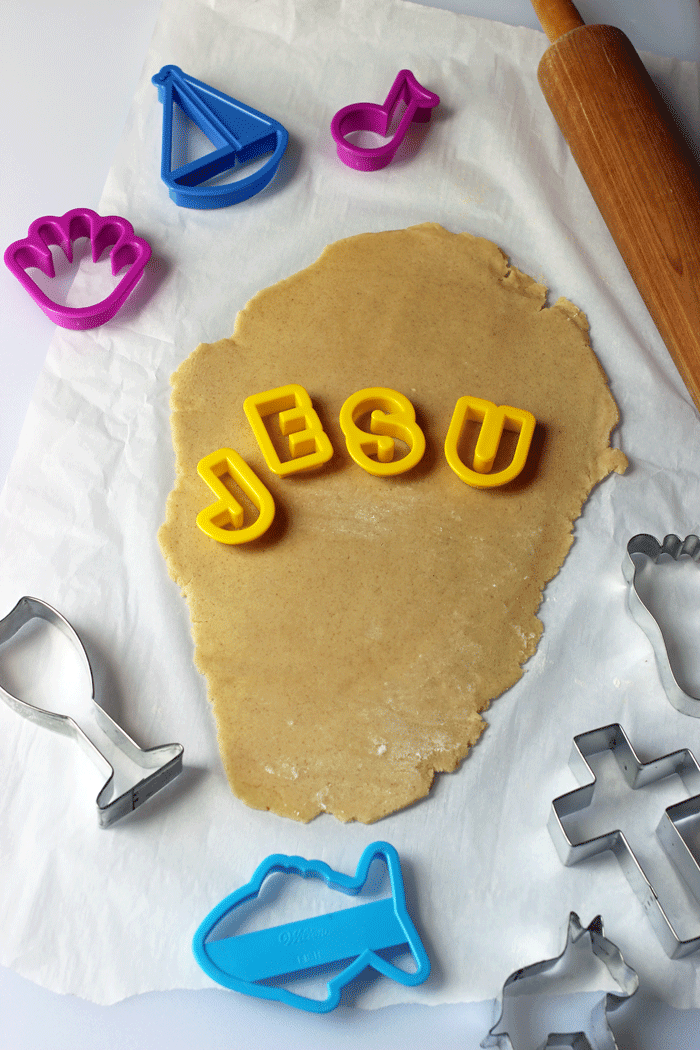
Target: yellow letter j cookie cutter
[
  {"x": 227, "y": 511},
  {"x": 494, "y": 420}
]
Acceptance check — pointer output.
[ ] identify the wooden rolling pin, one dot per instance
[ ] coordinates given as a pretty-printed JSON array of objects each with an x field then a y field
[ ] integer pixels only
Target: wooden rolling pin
[{"x": 638, "y": 166}]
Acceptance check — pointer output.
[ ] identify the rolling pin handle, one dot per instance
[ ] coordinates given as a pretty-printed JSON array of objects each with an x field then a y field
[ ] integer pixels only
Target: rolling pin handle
[{"x": 557, "y": 17}]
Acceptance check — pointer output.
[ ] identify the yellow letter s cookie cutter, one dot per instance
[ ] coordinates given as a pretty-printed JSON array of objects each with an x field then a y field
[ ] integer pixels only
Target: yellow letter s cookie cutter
[
  {"x": 227, "y": 510},
  {"x": 309, "y": 445},
  {"x": 392, "y": 416},
  {"x": 494, "y": 420}
]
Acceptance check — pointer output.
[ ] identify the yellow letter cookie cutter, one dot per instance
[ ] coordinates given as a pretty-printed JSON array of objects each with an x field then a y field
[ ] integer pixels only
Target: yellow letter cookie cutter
[
  {"x": 494, "y": 420},
  {"x": 392, "y": 416},
  {"x": 227, "y": 510},
  {"x": 309, "y": 445}
]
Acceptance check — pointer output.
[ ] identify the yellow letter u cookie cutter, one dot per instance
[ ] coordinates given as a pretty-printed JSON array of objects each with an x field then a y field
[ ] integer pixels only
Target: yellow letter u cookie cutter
[
  {"x": 309, "y": 445},
  {"x": 392, "y": 416},
  {"x": 494, "y": 420},
  {"x": 227, "y": 510}
]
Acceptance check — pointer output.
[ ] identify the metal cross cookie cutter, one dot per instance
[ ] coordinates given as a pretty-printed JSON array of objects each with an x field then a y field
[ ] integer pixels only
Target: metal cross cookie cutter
[
  {"x": 623, "y": 976},
  {"x": 651, "y": 549},
  {"x": 160, "y": 764},
  {"x": 637, "y": 774}
]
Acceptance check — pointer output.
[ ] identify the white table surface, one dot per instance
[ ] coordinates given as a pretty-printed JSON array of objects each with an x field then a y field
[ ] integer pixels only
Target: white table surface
[{"x": 68, "y": 71}]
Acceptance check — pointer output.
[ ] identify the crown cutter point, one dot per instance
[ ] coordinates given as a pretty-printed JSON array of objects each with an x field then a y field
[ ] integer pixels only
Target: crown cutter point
[
  {"x": 637, "y": 774},
  {"x": 612, "y": 959},
  {"x": 160, "y": 764},
  {"x": 649, "y": 546}
]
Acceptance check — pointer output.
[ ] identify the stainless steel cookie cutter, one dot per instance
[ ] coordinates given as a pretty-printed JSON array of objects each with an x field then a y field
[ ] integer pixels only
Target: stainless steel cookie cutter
[
  {"x": 650, "y": 547},
  {"x": 160, "y": 764},
  {"x": 610, "y": 956},
  {"x": 637, "y": 774}
]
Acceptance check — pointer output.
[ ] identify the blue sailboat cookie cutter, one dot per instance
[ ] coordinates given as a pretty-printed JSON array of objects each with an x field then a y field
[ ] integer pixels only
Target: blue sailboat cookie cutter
[
  {"x": 354, "y": 936},
  {"x": 238, "y": 133}
]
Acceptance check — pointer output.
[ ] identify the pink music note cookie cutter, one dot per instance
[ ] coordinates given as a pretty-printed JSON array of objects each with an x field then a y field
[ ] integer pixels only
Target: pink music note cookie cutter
[
  {"x": 369, "y": 116},
  {"x": 104, "y": 232}
]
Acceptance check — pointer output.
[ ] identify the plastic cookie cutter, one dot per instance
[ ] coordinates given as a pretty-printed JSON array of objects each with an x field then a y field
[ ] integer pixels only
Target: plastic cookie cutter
[
  {"x": 309, "y": 445},
  {"x": 595, "y": 1025},
  {"x": 368, "y": 116},
  {"x": 494, "y": 420},
  {"x": 391, "y": 416},
  {"x": 354, "y": 937},
  {"x": 238, "y": 133},
  {"x": 109, "y": 231},
  {"x": 652, "y": 550},
  {"x": 225, "y": 520},
  {"x": 160, "y": 765},
  {"x": 637, "y": 775}
]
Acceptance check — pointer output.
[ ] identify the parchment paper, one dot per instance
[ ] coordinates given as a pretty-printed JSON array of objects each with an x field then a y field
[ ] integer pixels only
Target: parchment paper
[{"x": 107, "y": 914}]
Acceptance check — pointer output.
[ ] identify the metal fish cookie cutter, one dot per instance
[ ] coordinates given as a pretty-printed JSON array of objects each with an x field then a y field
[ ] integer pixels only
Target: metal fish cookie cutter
[
  {"x": 676, "y": 548},
  {"x": 637, "y": 774},
  {"x": 623, "y": 976},
  {"x": 160, "y": 764}
]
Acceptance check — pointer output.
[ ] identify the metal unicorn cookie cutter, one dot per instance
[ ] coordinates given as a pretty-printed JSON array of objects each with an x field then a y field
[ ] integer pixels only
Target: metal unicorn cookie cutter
[
  {"x": 650, "y": 547},
  {"x": 637, "y": 774},
  {"x": 610, "y": 956},
  {"x": 162, "y": 763}
]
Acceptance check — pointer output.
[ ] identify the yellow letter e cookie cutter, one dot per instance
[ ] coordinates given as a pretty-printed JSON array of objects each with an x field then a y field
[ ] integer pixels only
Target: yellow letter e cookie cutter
[
  {"x": 392, "y": 416},
  {"x": 494, "y": 420},
  {"x": 227, "y": 510},
  {"x": 309, "y": 445}
]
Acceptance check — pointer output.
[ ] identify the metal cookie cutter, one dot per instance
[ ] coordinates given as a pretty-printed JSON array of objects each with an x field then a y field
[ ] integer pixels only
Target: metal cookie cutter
[
  {"x": 637, "y": 774},
  {"x": 368, "y": 116},
  {"x": 652, "y": 549},
  {"x": 251, "y": 962},
  {"x": 610, "y": 956},
  {"x": 110, "y": 231},
  {"x": 160, "y": 764}
]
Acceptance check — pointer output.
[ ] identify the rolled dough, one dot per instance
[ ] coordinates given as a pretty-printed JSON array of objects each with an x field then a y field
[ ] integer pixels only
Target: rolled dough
[{"x": 350, "y": 651}]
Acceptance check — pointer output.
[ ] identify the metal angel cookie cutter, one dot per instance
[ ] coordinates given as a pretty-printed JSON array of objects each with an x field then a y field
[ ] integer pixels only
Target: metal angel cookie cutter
[
  {"x": 160, "y": 764},
  {"x": 676, "y": 548},
  {"x": 596, "y": 1025},
  {"x": 637, "y": 774}
]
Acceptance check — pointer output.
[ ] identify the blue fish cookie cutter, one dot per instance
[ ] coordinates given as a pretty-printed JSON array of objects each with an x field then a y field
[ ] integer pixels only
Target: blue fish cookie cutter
[
  {"x": 353, "y": 936},
  {"x": 238, "y": 133}
]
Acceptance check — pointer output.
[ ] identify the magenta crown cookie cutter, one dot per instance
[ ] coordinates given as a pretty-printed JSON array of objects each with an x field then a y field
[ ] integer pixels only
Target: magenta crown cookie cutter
[
  {"x": 109, "y": 231},
  {"x": 368, "y": 116}
]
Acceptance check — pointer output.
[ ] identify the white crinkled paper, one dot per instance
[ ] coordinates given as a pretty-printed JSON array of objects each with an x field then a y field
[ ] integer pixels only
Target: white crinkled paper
[{"x": 86, "y": 495}]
